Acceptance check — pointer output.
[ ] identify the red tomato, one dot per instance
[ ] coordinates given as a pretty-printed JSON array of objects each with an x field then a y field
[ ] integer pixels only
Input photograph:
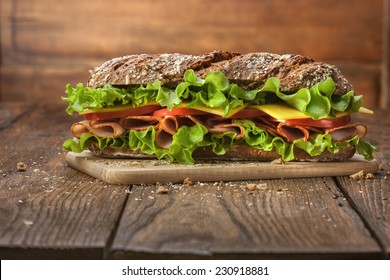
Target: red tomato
[
  {"x": 122, "y": 113},
  {"x": 178, "y": 112},
  {"x": 248, "y": 113},
  {"x": 324, "y": 123}
]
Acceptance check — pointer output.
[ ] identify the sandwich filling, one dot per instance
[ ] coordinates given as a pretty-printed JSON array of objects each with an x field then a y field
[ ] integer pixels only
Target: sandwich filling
[{"x": 172, "y": 123}]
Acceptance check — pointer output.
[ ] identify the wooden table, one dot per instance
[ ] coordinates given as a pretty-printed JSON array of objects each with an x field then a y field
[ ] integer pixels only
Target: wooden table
[{"x": 51, "y": 211}]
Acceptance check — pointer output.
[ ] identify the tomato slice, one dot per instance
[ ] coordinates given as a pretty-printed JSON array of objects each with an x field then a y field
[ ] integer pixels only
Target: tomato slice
[
  {"x": 324, "y": 123},
  {"x": 122, "y": 113},
  {"x": 178, "y": 112},
  {"x": 248, "y": 113}
]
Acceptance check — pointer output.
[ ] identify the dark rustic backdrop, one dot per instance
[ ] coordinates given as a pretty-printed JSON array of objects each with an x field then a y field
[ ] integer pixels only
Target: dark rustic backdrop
[{"x": 47, "y": 44}]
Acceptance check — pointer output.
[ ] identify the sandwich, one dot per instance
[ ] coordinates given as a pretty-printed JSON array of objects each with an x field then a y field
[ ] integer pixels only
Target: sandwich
[{"x": 218, "y": 105}]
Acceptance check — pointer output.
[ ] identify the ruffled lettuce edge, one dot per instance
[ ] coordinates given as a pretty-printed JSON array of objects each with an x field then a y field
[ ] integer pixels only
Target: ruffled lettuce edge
[{"x": 215, "y": 91}]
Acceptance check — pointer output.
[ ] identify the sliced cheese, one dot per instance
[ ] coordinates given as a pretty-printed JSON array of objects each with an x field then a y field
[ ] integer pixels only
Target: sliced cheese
[
  {"x": 365, "y": 111},
  {"x": 281, "y": 111},
  {"x": 278, "y": 111}
]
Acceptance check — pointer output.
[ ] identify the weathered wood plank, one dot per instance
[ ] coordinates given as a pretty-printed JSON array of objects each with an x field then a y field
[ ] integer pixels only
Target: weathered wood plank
[
  {"x": 336, "y": 29},
  {"x": 371, "y": 196},
  {"x": 10, "y": 111},
  {"x": 385, "y": 82},
  {"x": 49, "y": 205},
  {"x": 282, "y": 218},
  {"x": 371, "y": 199},
  {"x": 41, "y": 41},
  {"x": 32, "y": 84}
]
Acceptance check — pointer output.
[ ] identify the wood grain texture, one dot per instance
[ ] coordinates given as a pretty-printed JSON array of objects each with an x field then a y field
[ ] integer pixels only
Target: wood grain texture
[
  {"x": 385, "y": 81},
  {"x": 371, "y": 197},
  {"x": 33, "y": 84},
  {"x": 49, "y": 205},
  {"x": 46, "y": 28},
  {"x": 45, "y": 44},
  {"x": 279, "y": 217}
]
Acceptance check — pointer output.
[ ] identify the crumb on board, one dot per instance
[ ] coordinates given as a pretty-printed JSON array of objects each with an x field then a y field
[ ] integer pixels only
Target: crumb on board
[
  {"x": 252, "y": 187},
  {"x": 358, "y": 175},
  {"x": 21, "y": 166},
  {"x": 187, "y": 181},
  {"x": 161, "y": 189},
  {"x": 361, "y": 175},
  {"x": 278, "y": 161}
]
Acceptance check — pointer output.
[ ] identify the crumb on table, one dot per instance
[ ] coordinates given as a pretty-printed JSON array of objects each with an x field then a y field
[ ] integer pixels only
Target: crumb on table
[{"x": 21, "y": 166}]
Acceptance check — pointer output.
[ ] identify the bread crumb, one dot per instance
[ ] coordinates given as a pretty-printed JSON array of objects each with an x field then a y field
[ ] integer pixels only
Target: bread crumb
[
  {"x": 278, "y": 161},
  {"x": 252, "y": 187},
  {"x": 261, "y": 187},
  {"x": 381, "y": 167},
  {"x": 28, "y": 222},
  {"x": 161, "y": 189},
  {"x": 21, "y": 166},
  {"x": 187, "y": 181},
  {"x": 358, "y": 175}
]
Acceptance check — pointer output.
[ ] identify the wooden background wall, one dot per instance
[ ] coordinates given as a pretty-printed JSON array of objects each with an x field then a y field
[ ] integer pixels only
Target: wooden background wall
[{"x": 47, "y": 44}]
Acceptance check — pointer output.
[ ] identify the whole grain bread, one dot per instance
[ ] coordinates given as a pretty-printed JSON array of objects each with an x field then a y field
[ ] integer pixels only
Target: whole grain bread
[
  {"x": 250, "y": 71},
  {"x": 235, "y": 152}
]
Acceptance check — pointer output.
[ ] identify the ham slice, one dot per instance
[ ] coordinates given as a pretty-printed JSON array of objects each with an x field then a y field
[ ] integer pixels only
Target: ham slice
[
  {"x": 292, "y": 132},
  {"x": 266, "y": 125},
  {"x": 266, "y": 121},
  {"x": 169, "y": 124},
  {"x": 139, "y": 122},
  {"x": 238, "y": 129},
  {"x": 163, "y": 139},
  {"x": 268, "y": 129},
  {"x": 167, "y": 127},
  {"x": 101, "y": 129},
  {"x": 214, "y": 121},
  {"x": 347, "y": 131},
  {"x": 189, "y": 120}
]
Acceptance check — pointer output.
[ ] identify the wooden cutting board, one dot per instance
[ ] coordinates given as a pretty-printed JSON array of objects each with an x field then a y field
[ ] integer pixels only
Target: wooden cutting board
[{"x": 132, "y": 171}]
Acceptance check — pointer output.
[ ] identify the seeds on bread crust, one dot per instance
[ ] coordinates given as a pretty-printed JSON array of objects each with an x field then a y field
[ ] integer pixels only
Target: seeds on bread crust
[{"x": 248, "y": 70}]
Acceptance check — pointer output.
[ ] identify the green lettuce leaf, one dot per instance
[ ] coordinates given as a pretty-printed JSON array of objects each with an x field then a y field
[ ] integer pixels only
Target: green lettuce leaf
[
  {"x": 215, "y": 91},
  {"x": 188, "y": 139}
]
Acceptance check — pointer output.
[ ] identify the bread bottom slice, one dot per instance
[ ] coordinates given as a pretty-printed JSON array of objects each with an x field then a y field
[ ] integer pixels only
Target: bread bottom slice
[{"x": 235, "y": 152}]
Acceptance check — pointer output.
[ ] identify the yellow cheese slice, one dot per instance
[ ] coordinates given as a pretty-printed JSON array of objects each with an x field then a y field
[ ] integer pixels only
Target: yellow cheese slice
[
  {"x": 278, "y": 111},
  {"x": 284, "y": 112},
  {"x": 365, "y": 111}
]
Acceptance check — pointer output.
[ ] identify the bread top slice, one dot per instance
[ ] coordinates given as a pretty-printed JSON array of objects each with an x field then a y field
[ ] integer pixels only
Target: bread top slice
[{"x": 249, "y": 71}]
